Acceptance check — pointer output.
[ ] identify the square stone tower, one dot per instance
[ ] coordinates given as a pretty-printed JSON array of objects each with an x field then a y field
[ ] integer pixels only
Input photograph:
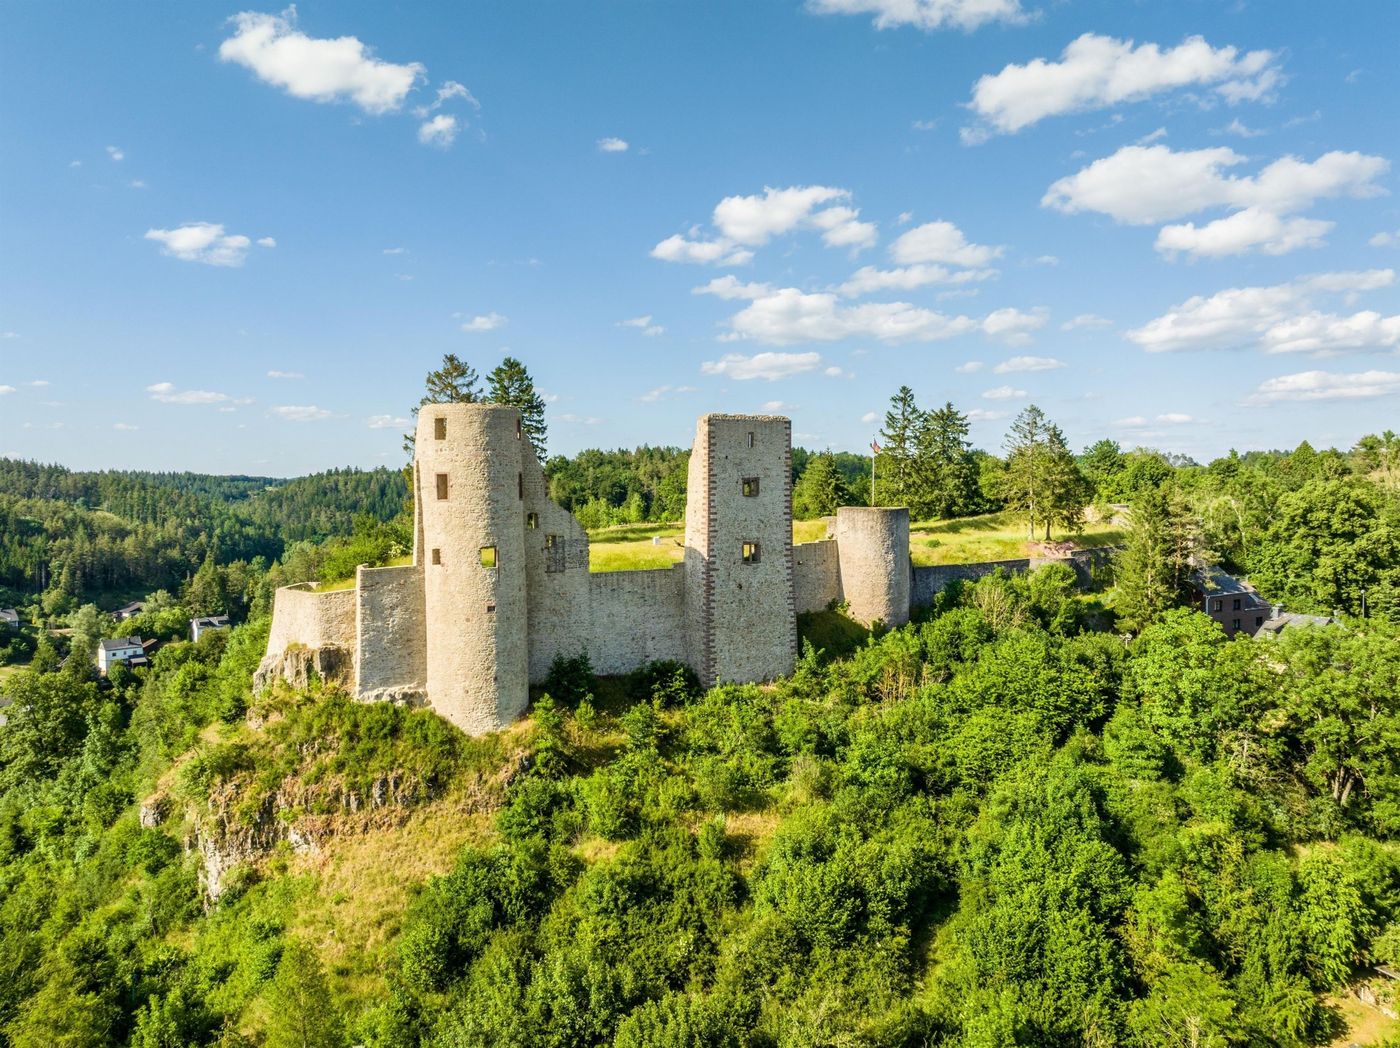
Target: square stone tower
[{"x": 740, "y": 611}]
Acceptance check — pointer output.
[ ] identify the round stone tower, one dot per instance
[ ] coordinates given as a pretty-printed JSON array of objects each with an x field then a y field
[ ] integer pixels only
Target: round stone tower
[
  {"x": 873, "y": 552},
  {"x": 469, "y": 473}
]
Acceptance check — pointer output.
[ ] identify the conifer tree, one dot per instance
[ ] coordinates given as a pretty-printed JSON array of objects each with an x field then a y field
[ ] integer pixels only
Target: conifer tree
[
  {"x": 897, "y": 480},
  {"x": 1152, "y": 570},
  {"x": 1068, "y": 490},
  {"x": 511, "y": 384},
  {"x": 453, "y": 383},
  {"x": 820, "y": 490},
  {"x": 1026, "y": 480},
  {"x": 945, "y": 458}
]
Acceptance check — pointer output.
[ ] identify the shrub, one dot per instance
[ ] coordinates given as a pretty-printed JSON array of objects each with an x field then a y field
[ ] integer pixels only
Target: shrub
[
  {"x": 571, "y": 680},
  {"x": 669, "y": 682}
]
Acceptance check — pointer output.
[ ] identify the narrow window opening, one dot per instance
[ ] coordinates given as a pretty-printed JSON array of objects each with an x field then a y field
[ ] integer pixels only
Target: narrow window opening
[
  {"x": 439, "y": 428},
  {"x": 1237, "y": 605},
  {"x": 442, "y": 485},
  {"x": 750, "y": 553},
  {"x": 437, "y": 556},
  {"x": 1219, "y": 604},
  {"x": 532, "y": 521},
  {"x": 1235, "y": 624},
  {"x": 517, "y": 428},
  {"x": 749, "y": 486},
  {"x": 488, "y": 556},
  {"x": 751, "y": 439},
  {"x": 520, "y": 485},
  {"x": 490, "y": 609}
]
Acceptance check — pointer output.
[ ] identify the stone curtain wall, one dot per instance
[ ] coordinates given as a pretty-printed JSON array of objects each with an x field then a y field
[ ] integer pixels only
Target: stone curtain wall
[
  {"x": 815, "y": 579},
  {"x": 390, "y": 635},
  {"x": 637, "y": 617},
  {"x": 313, "y": 620},
  {"x": 557, "y": 589},
  {"x": 930, "y": 581}
]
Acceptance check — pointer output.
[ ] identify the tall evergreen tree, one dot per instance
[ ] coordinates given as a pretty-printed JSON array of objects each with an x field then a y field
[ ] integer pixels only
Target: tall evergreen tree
[
  {"x": 947, "y": 467},
  {"x": 820, "y": 490},
  {"x": 897, "y": 476},
  {"x": 511, "y": 384},
  {"x": 1068, "y": 490},
  {"x": 1026, "y": 480},
  {"x": 1152, "y": 570},
  {"x": 453, "y": 383}
]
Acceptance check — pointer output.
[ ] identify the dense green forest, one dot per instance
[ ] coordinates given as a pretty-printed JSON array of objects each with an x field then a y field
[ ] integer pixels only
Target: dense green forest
[{"x": 995, "y": 826}]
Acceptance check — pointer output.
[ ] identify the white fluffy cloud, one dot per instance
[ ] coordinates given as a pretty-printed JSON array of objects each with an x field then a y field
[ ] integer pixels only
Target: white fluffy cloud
[
  {"x": 747, "y": 222},
  {"x": 906, "y": 278},
  {"x": 644, "y": 325},
  {"x": 789, "y": 315},
  {"x": 941, "y": 242},
  {"x": 1282, "y": 318},
  {"x": 612, "y": 145},
  {"x": 678, "y": 248},
  {"x": 1014, "y": 326},
  {"x": 1095, "y": 71},
  {"x": 485, "y": 322},
  {"x": 731, "y": 287},
  {"x": 115, "y": 153},
  {"x": 167, "y": 393},
  {"x": 1086, "y": 320},
  {"x": 323, "y": 70},
  {"x": 6, "y": 389},
  {"x": 386, "y": 422},
  {"x": 1004, "y": 393},
  {"x": 925, "y": 14},
  {"x": 1326, "y": 385},
  {"x": 969, "y": 367},
  {"x": 203, "y": 242},
  {"x": 300, "y": 412},
  {"x": 986, "y": 415},
  {"x": 1141, "y": 185},
  {"x": 440, "y": 130},
  {"x": 770, "y": 366},
  {"x": 1028, "y": 364},
  {"x": 267, "y": 241},
  {"x": 1385, "y": 239},
  {"x": 1242, "y": 232},
  {"x": 285, "y": 374}
]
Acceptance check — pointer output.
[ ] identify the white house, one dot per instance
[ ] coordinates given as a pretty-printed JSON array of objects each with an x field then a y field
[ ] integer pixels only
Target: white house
[
  {"x": 120, "y": 649},
  {"x": 199, "y": 627},
  {"x": 9, "y": 618}
]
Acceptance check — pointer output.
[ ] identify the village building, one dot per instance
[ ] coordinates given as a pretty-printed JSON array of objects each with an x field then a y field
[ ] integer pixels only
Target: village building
[
  {"x": 120, "y": 649},
  {"x": 127, "y": 611},
  {"x": 9, "y": 618},
  {"x": 200, "y": 626}
]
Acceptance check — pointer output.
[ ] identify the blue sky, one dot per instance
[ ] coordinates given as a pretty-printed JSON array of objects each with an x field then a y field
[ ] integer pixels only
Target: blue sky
[{"x": 235, "y": 239}]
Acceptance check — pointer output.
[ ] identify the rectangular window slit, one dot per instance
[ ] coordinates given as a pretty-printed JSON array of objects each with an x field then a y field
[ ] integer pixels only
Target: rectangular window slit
[
  {"x": 520, "y": 485},
  {"x": 439, "y": 428},
  {"x": 749, "y": 486},
  {"x": 532, "y": 521},
  {"x": 488, "y": 556},
  {"x": 750, "y": 553},
  {"x": 517, "y": 427},
  {"x": 490, "y": 609},
  {"x": 442, "y": 485},
  {"x": 437, "y": 556},
  {"x": 750, "y": 439}
]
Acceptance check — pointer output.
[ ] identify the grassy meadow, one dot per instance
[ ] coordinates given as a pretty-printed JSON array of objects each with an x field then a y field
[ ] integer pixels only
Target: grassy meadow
[{"x": 993, "y": 536}]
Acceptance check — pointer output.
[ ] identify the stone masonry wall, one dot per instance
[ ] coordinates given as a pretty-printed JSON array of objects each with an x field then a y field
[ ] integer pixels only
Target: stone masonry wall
[
  {"x": 816, "y": 581},
  {"x": 873, "y": 545},
  {"x": 557, "y": 589},
  {"x": 390, "y": 635},
  {"x": 747, "y": 624},
  {"x": 637, "y": 617},
  {"x": 314, "y": 620},
  {"x": 929, "y": 581}
]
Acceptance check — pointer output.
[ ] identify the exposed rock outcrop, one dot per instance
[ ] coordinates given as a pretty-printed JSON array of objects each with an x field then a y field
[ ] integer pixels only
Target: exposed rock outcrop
[{"x": 297, "y": 666}]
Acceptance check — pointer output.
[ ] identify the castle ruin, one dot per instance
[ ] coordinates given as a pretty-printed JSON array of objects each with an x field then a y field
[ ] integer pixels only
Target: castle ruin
[{"x": 499, "y": 584}]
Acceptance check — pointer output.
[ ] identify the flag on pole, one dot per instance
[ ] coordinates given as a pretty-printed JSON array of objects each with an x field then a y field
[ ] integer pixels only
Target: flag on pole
[{"x": 875, "y": 447}]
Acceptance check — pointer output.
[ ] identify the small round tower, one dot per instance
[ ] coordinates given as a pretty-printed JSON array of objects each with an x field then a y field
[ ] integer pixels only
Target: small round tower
[
  {"x": 469, "y": 474},
  {"x": 873, "y": 553}
]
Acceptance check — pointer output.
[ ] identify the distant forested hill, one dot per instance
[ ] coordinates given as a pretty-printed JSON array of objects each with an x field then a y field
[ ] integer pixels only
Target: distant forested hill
[{"x": 84, "y": 533}]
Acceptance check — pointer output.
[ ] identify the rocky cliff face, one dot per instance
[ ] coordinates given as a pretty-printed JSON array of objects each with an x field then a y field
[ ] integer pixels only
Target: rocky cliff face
[{"x": 297, "y": 666}]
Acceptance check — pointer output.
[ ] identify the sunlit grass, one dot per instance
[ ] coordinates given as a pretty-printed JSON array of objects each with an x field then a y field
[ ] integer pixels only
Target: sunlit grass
[{"x": 993, "y": 536}]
